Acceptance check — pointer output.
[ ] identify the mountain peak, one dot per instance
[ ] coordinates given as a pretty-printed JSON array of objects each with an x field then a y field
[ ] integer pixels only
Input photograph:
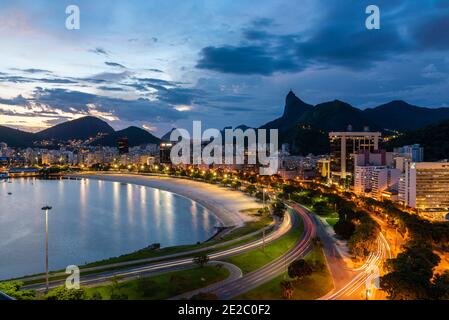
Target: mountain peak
[
  {"x": 293, "y": 110},
  {"x": 294, "y": 107},
  {"x": 291, "y": 94},
  {"x": 79, "y": 129},
  {"x": 134, "y": 128}
]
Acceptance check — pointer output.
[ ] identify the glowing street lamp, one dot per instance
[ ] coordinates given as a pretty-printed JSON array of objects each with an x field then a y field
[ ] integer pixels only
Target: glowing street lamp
[
  {"x": 46, "y": 209},
  {"x": 368, "y": 294}
]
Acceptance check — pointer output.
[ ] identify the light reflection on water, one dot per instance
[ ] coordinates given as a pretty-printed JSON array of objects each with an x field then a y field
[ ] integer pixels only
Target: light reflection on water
[{"x": 90, "y": 220}]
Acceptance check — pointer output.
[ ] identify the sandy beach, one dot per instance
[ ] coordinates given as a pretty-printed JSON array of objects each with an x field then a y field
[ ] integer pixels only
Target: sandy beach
[{"x": 224, "y": 203}]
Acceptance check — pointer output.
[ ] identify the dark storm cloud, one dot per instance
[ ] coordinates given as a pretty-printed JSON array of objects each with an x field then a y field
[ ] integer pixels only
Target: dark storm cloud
[
  {"x": 357, "y": 50},
  {"x": 339, "y": 38},
  {"x": 433, "y": 33},
  {"x": 250, "y": 59}
]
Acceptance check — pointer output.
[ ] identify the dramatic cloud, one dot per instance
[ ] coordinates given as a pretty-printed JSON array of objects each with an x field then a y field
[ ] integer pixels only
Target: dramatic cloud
[
  {"x": 235, "y": 70},
  {"x": 433, "y": 33},
  {"x": 340, "y": 38},
  {"x": 248, "y": 60},
  {"x": 81, "y": 102}
]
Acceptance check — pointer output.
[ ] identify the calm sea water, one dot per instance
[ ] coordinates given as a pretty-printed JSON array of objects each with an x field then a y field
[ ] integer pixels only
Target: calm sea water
[{"x": 90, "y": 220}]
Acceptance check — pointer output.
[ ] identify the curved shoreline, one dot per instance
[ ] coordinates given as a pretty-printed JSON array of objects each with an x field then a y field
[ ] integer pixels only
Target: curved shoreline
[{"x": 224, "y": 204}]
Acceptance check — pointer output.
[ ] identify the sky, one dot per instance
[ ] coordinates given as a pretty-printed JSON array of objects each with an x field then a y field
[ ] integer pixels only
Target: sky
[{"x": 162, "y": 64}]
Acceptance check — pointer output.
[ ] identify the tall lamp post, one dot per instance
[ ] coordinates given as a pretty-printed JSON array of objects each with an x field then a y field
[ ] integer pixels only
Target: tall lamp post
[
  {"x": 263, "y": 191},
  {"x": 46, "y": 209}
]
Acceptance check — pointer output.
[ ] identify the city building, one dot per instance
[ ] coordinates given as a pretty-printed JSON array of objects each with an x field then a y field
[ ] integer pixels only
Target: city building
[
  {"x": 122, "y": 145},
  {"x": 373, "y": 158},
  {"x": 343, "y": 146},
  {"x": 164, "y": 152},
  {"x": 415, "y": 153},
  {"x": 424, "y": 186},
  {"x": 324, "y": 168},
  {"x": 373, "y": 181}
]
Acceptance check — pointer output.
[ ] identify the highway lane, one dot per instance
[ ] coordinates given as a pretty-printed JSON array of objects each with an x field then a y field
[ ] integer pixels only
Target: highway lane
[
  {"x": 341, "y": 274},
  {"x": 276, "y": 267},
  {"x": 131, "y": 263},
  {"x": 235, "y": 273},
  {"x": 153, "y": 268},
  {"x": 363, "y": 284},
  {"x": 349, "y": 283}
]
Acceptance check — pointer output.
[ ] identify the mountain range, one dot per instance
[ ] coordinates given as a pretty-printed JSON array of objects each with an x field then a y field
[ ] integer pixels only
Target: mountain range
[
  {"x": 78, "y": 129},
  {"x": 338, "y": 115},
  {"x": 302, "y": 125},
  {"x": 305, "y": 127}
]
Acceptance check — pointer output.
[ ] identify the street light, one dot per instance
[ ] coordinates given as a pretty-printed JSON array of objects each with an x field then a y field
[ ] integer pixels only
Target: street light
[
  {"x": 263, "y": 191},
  {"x": 46, "y": 209},
  {"x": 368, "y": 294}
]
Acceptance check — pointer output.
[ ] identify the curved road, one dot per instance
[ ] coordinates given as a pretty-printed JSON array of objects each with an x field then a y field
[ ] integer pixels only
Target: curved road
[
  {"x": 351, "y": 284},
  {"x": 278, "y": 266},
  {"x": 361, "y": 286},
  {"x": 234, "y": 274},
  {"x": 133, "y": 272}
]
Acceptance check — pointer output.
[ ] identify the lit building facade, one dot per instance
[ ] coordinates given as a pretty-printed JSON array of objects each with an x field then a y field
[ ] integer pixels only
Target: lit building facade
[
  {"x": 372, "y": 181},
  {"x": 425, "y": 186},
  {"x": 344, "y": 145},
  {"x": 415, "y": 153}
]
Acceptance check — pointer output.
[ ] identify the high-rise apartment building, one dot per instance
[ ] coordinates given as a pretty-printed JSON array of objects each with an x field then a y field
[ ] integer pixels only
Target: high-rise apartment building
[
  {"x": 346, "y": 144},
  {"x": 373, "y": 180},
  {"x": 415, "y": 153},
  {"x": 425, "y": 186}
]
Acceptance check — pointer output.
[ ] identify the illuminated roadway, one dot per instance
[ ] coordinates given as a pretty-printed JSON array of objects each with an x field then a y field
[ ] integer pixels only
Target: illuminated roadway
[
  {"x": 276, "y": 267},
  {"x": 362, "y": 285},
  {"x": 181, "y": 263},
  {"x": 351, "y": 284}
]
